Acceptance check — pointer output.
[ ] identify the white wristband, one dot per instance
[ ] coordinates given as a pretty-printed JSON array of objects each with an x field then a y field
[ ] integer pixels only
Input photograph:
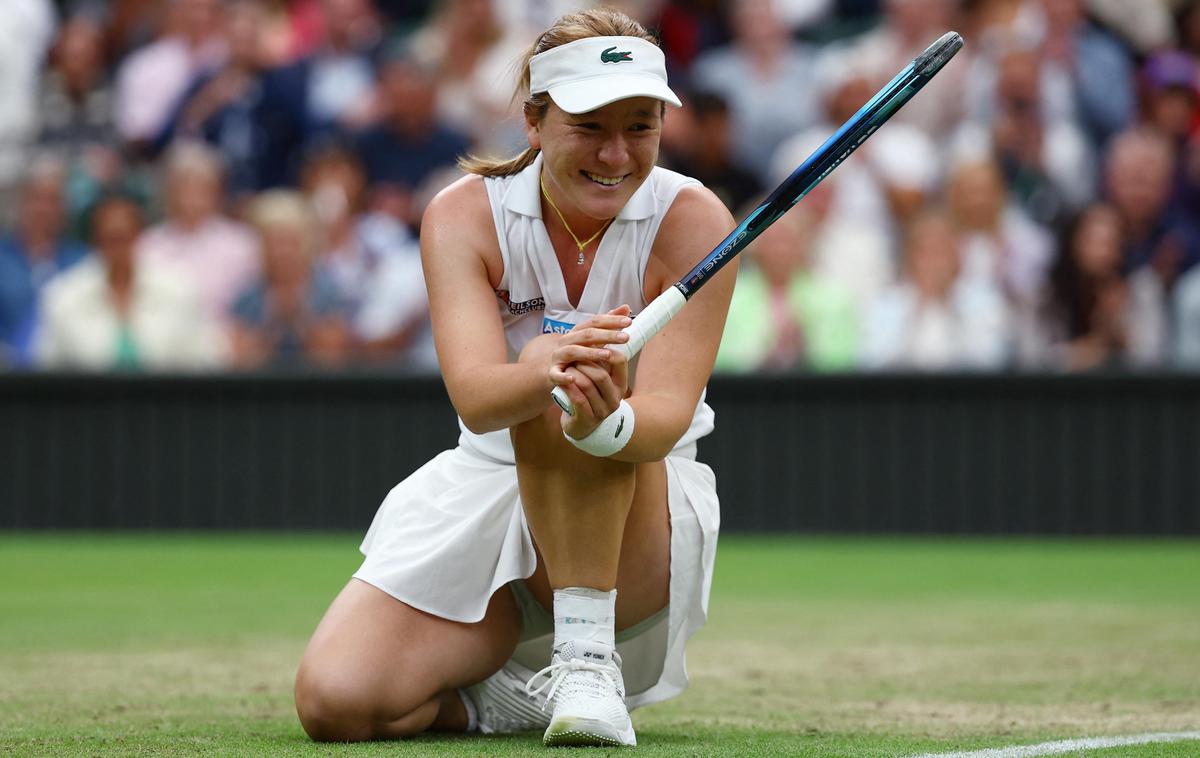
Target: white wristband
[{"x": 611, "y": 436}]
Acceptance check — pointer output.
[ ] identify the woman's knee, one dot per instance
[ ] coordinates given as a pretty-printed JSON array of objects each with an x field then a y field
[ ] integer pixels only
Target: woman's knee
[
  {"x": 331, "y": 707},
  {"x": 338, "y": 706}
]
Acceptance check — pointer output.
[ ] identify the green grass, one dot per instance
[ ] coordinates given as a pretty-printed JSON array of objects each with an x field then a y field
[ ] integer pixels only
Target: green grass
[{"x": 166, "y": 644}]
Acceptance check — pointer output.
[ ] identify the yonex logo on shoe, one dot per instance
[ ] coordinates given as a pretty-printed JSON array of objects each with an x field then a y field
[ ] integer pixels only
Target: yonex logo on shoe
[{"x": 597, "y": 656}]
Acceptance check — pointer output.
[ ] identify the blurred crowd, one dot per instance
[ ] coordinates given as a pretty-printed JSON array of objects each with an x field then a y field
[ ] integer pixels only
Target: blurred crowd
[{"x": 238, "y": 184}]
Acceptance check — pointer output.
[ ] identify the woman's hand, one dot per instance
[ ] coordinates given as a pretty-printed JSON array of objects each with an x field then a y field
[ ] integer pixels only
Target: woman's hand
[
  {"x": 596, "y": 390},
  {"x": 595, "y": 377},
  {"x": 595, "y": 387}
]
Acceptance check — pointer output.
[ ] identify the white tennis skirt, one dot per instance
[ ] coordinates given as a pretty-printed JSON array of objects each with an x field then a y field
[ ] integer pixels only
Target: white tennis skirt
[{"x": 453, "y": 533}]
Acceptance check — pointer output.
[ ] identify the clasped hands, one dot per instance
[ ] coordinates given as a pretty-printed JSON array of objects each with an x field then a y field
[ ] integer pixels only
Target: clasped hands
[{"x": 581, "y": 361}]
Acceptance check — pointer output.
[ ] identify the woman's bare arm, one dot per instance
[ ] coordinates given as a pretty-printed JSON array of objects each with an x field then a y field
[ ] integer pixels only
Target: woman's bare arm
[{"x": 461, "y": 259}]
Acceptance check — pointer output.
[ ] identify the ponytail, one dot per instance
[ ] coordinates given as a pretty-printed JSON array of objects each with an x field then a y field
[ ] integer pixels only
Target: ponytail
[{"x": 473, "y": 164}]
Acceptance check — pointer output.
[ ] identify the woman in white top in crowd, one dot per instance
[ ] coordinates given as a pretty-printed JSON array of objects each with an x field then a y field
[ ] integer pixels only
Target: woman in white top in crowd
[{"x": 540, "y": 541}]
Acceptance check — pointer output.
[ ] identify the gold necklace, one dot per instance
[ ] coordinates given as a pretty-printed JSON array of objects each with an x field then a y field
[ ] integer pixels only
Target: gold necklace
[{"x": 580, "y": 245}]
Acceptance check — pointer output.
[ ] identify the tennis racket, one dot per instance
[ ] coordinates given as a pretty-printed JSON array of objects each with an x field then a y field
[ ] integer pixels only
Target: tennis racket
[{"x": 809, "y": 174}]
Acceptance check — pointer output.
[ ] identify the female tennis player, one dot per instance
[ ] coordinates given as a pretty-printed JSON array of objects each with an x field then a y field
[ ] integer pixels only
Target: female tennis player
[{"x": 581, "y": 545}]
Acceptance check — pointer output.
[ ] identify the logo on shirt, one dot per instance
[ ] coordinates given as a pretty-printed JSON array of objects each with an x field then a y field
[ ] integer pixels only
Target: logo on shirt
[
  {"x": 550, "y": 326},
  {"x": 608, "y": 56},
  {"x": 523, "y": 307}
]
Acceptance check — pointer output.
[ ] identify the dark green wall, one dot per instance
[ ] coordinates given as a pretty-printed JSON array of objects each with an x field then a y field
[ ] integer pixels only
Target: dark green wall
[{"x": 966, "y": 454}]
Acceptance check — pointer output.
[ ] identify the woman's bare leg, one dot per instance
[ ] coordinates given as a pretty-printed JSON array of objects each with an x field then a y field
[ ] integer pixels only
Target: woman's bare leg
[
  {"x": 597, "y": 523},
  {"x": 377, "y": 668}
]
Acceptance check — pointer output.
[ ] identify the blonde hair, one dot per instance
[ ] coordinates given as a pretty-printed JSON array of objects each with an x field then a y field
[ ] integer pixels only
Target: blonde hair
[
  {"x": 286, "y": 209},
  {"x": 188, "y": 157},
  {"x": 595, "y": 22}
]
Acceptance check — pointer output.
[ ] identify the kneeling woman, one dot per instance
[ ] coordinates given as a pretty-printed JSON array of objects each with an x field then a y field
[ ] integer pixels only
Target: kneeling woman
[{"x": 518, "y": 550}]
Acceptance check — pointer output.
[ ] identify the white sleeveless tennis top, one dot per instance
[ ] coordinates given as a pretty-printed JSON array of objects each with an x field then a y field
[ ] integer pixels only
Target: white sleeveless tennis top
[{"x": 532, "y": 296}]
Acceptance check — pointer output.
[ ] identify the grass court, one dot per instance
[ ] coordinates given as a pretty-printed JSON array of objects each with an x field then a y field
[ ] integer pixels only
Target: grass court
[{"x": 169, "y": 644}]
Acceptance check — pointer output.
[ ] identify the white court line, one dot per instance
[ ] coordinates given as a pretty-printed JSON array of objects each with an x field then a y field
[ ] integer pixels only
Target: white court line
[{"x": 1067, "y": 746}]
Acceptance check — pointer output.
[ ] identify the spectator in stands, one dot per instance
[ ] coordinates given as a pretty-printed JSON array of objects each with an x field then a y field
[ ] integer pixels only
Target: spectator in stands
[
  {"x": 329, "y": 91},
  {"x": 1101, "y": 316},
  {"x": 292, "y": 318},
  {"x": 153, "y": 78},
  {"x": 409, "y": 144},
  {"x": 335, "y": 184},
  {"x": 1084, "y": 73},
  {"x": 803, "y": 17},
  {"x": 218, "y": 255},
  {"x": 373, "y": 262},
  {"x": 995, "y": 25},
  {"x": 1002, "y": 249},
  {"x": 76, "y": 108},
  {"x": 1001, "y": 246},
  {"x": 268, "y": 83},
  {"x": 935, "y": 319},
  {"x": 705, "y": 150},
  {"x": 26, "y": 31},
  {"x": 783, "y": 316},
  {"x": 112, "y": 311},
  {"x": 687, "y": 28},
  {"x": 131, "y": 23},
  {"x": 1047, "y": 162},
  {"x": 77, "y": 122},
  {"x": 1145, "y": 25},
  {"x": 30, "y": 256},
  {"x": 1170, "y": 80},
  {"x": 766, "y": 78},
  {"x": 221, "y": 106},
  {"x": 907, "y": 28},
  {"x": 341, "y": 76},
  {"x": 470, "y": 51},
  {"x": 873, "y": 196},
  {"x": 1139, "y": 173},
  {"x": 1088, "y": 70},
  {"x": 857, "y": 257},
  {"x": 1185, "y": 313}
]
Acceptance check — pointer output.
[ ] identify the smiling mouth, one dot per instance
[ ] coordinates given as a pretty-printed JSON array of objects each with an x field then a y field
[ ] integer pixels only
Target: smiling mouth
[{"x": 604, "y": 181}]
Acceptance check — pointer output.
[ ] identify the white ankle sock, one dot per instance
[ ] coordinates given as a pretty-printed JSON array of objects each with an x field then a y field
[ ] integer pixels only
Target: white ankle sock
[{"x": 583, "y": 614}]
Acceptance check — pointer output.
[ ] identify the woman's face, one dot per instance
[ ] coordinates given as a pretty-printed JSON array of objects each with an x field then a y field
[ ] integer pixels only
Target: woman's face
[
  {"x": 115, "y": 229},
  {"x": 1097, "y": 243},
  {"x": 194, "y": 194},
  {"x": 285, "y": 261},
  {"x": 977, "y": 195},
  {"x": 594, "y": 162},
  {"x": 933, "y": 255}
]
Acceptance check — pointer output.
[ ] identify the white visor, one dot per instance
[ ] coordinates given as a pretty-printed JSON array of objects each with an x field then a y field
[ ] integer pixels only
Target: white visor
[{"x": 587, "y": 74}]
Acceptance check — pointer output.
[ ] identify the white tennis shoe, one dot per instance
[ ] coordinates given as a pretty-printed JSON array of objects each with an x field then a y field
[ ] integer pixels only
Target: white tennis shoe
[
  {"x": 502, "y": 705},
  {"x": 583, "y": 685}
]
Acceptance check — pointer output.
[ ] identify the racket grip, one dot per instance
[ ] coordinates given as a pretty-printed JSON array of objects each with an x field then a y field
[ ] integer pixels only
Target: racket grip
[{"x": 648, "y": 323}]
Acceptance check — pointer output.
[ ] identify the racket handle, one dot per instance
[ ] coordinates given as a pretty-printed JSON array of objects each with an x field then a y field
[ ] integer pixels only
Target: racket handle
[{"x": 649, "y": 322}]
